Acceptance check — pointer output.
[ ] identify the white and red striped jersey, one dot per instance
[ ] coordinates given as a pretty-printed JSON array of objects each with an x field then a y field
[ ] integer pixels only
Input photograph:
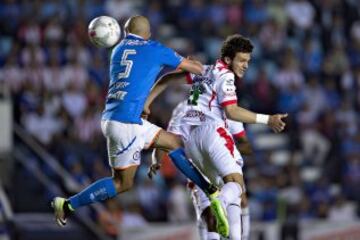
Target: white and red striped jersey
[
  {"x": 178, "y": 127},
  {"x": 209, "y": 94},
  {"x": 236, "y": 128}
]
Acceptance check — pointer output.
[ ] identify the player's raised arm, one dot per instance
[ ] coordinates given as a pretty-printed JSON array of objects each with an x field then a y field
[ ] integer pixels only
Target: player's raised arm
[
  {"x": 191, "y": 65},
  {"x": 236, "y": 113},
  {"x": 177, "y": 77}
]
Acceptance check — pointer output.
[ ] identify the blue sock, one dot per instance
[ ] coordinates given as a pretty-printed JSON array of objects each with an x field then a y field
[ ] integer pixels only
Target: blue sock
[
  {"x": 178, "y": 157},
  {"x": 98, "y": 191}
]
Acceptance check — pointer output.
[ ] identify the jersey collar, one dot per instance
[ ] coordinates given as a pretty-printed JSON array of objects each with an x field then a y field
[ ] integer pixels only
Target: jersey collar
[
  {"x": 134, "y": 36},
  {"x": 220, "y": 64}
]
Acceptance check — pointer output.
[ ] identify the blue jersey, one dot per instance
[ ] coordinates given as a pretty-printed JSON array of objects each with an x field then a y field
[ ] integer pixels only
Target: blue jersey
[{"x": 134, "y": 65}]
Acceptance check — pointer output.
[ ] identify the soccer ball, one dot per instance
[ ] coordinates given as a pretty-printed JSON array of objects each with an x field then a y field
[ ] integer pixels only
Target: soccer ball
[{"x": 104, "y": 31}]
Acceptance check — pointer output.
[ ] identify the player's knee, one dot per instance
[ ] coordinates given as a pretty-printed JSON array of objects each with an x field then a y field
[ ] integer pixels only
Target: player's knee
[
  {"x": 234, "y": 177},
  {"x": 176, "y": 142},
  {"x": 168, "y": 141},
  {"x": 124, "y": 178}
]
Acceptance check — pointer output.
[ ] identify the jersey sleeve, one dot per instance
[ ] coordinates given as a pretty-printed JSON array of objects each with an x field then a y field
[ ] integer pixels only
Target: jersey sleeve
[
  {"x": 226, "y": 90},
  {"x": 169, "y": 57},
  {"x": 236, "y": 128},
  {"x": 189, "y": 77}
]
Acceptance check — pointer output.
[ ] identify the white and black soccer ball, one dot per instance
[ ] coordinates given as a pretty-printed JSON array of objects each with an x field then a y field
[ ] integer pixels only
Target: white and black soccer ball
[{"x": 104, "y": 31}]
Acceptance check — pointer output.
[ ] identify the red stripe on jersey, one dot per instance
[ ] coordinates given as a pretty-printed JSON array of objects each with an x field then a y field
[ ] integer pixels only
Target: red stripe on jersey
[
  {"x": 226, "y": 103},
  {"x": 213, "y": 95},
  {"x": 188, "y": 78},
  {"x": 229, "y": 140},
  {"x": 239, "y": 134},
  {"x": 221, "y": 65}
]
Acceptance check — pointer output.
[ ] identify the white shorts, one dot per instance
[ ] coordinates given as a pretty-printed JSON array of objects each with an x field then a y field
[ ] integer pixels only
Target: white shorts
[
  {"x": 125, "y": 141},
  {"x": 180, "y": 130},
  {"x": 213, "y": 151}
]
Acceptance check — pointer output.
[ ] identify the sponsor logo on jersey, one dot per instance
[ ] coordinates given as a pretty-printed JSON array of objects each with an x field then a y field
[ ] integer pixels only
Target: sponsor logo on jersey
[
  {"x": 121, "y": 84},
  {"x": 229, "y": 82},
  {"x": 230, "y": 94},
  {"x": 136, "y": 155},
  {"x": 119, "y": 95},
  {"x": 203, "y": 79},
  {"x": 195, "y": 114}
]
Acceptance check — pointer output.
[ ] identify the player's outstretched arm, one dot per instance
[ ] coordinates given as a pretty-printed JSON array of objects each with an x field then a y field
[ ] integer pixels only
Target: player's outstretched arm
[
  {"x": 240, "y": 114},
  {"x": 192, "y": 66},
  {"x": 178, "y": 77}
]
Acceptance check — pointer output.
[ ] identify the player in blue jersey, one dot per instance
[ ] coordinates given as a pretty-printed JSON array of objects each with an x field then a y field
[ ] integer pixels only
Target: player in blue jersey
[{"x": 135, "y": 63}]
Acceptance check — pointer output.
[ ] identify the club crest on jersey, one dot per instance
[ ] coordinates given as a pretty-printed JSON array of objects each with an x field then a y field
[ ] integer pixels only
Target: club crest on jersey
[{"x": 136, "y": 155}]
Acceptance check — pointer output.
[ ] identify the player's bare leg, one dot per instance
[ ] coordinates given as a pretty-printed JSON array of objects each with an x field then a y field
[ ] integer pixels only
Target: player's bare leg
[
  {"x": 124, "y": 178},
  {"x": 167, "y": 141}
]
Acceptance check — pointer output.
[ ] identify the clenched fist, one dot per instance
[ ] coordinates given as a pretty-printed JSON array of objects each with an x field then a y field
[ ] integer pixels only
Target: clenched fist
[
  {"x": 153, "y": 170},
  {"x": 276, "y": 122}
]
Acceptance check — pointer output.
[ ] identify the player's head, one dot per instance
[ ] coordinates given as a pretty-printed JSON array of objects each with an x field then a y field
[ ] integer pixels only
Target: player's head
[
  {"x": 138, "y": 25},
  {"x": 236, "y": 53}
]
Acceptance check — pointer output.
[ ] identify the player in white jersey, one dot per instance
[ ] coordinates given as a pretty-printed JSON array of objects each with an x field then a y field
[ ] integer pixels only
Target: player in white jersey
[
  {"x": 239, "y": 219},
  {"x": 213, "y": 99}
]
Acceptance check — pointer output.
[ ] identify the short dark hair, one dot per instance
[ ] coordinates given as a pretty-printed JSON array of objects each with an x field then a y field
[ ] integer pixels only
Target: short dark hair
[{"x": 234, "y": 44}]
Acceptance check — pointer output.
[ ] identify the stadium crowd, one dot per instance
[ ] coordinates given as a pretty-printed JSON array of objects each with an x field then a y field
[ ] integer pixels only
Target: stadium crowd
[{"x": 306, "y": 63}]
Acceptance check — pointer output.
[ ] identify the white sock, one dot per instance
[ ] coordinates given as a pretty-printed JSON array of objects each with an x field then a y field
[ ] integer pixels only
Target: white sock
[
  {"x": 202, "y": 228},
  {"x": 245, "y": 222},
  {"x": 229, "y": 193},
  {"x": 213, "y": 236},
  {"x": 234, "y": 217}
]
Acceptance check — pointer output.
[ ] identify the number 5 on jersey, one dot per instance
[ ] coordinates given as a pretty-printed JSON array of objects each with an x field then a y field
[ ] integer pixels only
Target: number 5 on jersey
[{"x": 127, "y": 63}]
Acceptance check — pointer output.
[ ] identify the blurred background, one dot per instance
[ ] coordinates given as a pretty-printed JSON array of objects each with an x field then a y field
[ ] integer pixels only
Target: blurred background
[{"x": 303, "y": 183}]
